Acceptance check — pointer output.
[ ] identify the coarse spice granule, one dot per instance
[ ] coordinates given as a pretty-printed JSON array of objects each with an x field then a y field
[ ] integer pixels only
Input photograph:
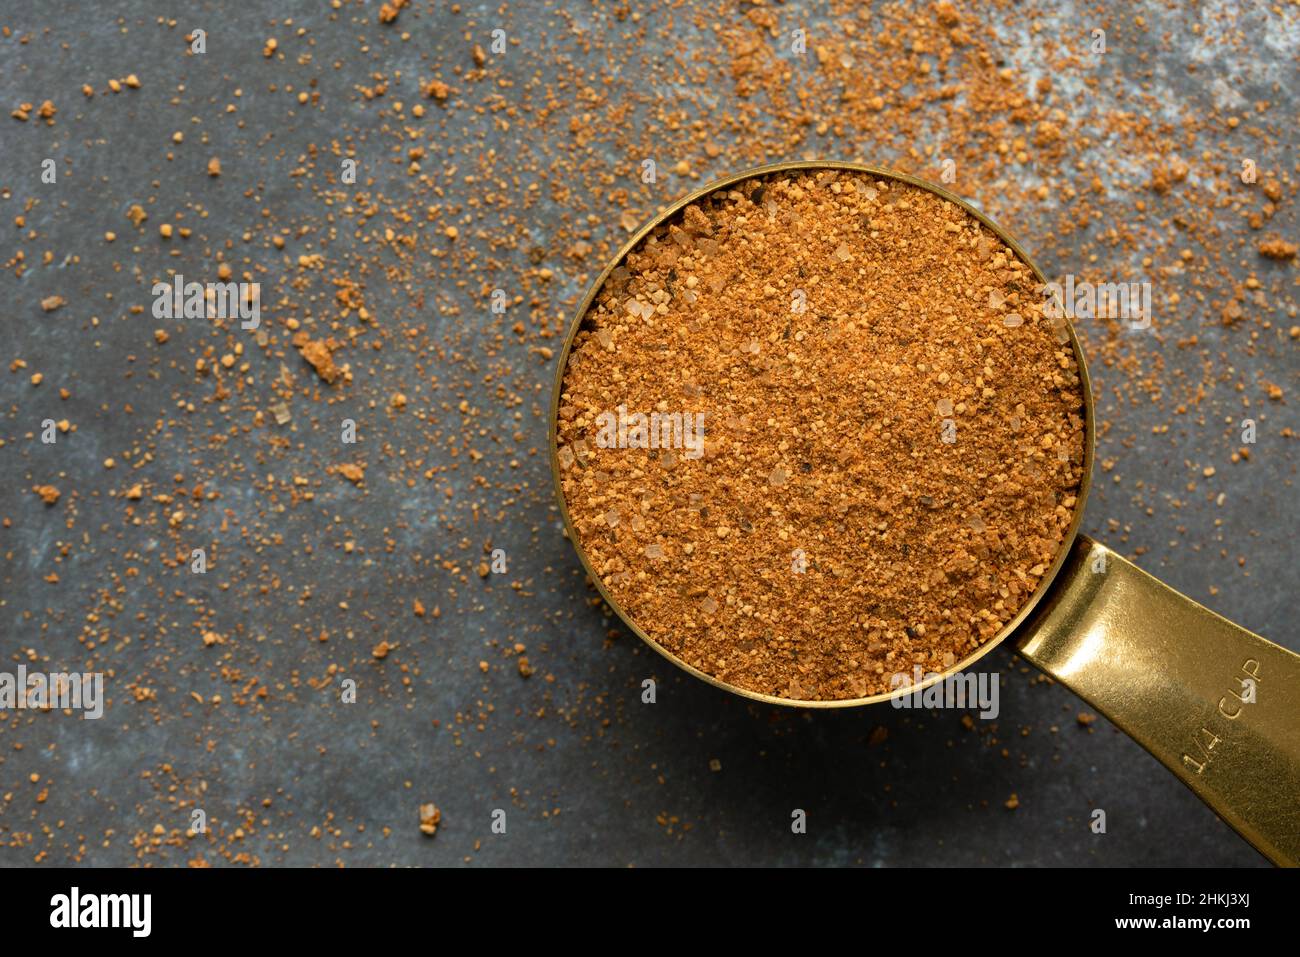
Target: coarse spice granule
[{"x": 893, "y": 434}]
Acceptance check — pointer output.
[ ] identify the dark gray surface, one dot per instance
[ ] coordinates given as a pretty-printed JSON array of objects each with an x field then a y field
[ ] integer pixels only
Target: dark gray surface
[{"x": 585, "y": 771}]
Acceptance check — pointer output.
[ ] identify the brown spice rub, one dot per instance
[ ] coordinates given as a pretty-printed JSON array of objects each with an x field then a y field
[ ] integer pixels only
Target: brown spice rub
[
  {"x": 48, "y": 493},
  {"x": 829, "y": 537},
  {"x": 1276, "y": 248}
]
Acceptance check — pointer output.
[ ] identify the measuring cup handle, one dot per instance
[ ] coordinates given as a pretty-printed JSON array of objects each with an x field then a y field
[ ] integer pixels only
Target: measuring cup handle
[{"x": 1217, "y": 705}]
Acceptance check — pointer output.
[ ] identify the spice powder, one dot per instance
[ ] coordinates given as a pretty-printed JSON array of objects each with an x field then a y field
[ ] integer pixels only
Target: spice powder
[{"x": 893, "y": 434}]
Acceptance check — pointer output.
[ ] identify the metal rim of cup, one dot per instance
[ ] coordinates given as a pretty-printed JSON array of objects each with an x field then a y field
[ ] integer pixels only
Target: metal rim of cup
[{"x": 575, "y": 324}]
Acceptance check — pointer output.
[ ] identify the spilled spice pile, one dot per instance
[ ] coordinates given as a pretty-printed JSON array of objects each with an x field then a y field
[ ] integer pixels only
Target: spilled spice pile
[{"x": 894, "y": 434}]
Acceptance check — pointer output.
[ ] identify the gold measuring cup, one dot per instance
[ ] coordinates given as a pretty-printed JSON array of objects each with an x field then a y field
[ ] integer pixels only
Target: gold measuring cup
[{"x": 1216, "y": 704}]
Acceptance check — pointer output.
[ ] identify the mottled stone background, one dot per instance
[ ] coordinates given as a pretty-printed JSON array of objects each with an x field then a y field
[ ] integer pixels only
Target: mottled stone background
[{"x": 587, "y": 774}]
